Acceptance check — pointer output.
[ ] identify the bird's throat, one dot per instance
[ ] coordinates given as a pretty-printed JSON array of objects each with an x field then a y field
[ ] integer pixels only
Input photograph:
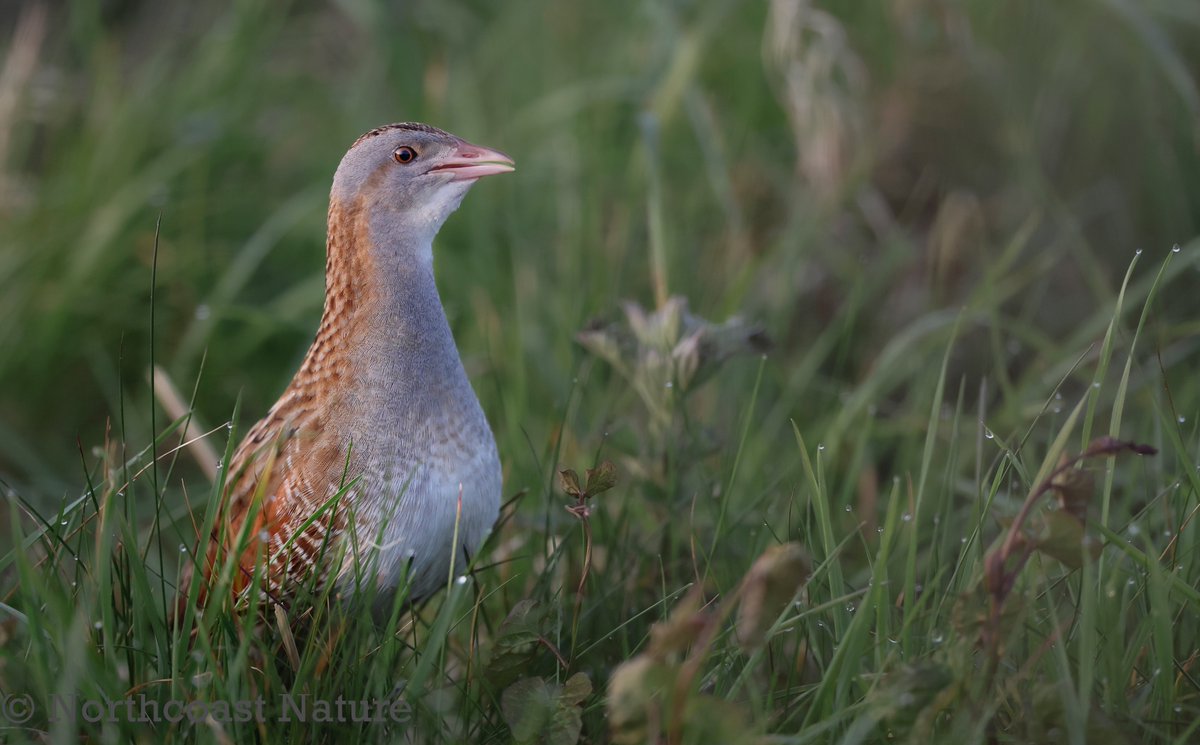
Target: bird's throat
[{"x": 383, "y": 316}]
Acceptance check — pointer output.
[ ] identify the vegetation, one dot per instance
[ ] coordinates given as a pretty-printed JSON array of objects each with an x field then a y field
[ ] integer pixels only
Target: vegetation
[{"x": 866, "y": 319}]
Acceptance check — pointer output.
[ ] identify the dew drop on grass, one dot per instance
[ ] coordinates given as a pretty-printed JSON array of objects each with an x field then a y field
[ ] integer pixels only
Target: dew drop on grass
[
  {"x": 202, "y": 312},
  {"x": 1134, "y": 529},
  {"x": 850, "y": 608},
  {"x": 1178, "y": 708},
  {"x": 989, "y": 434},
  {"x": 1182, "y": 419},
  {"x": 906, "y": 517},
  {"x": 462, "y": 580},
  {"x": 264, "y": 536},
  {"x": 820, "y": 447},
  {"x": 97, "y": 625},
  {"x": 1112, "y": 592},
  {"x": 1137, "y": 252},
  {"x": 1175, "y": 249},
  {"x": 879, "y": 529},
  {"x": 936, "y": 637},
  {"x": 670, "y": 384},
  {"x": 847, "y": 508},
  {"x": 182, "y": 549},
  {"x": 1096, "y": 385},
  {"x": 63, "y": 522}
]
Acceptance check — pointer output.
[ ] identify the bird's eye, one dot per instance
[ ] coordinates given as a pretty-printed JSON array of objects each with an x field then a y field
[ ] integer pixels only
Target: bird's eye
[{"x": 404, "y": 154}]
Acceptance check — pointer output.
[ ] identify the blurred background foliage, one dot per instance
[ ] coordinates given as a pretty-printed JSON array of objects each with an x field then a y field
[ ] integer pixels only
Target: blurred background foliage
[{"x": 837, "y": 171}]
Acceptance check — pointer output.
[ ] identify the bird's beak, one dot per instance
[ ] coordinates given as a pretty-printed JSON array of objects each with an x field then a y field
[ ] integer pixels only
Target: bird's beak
[{"x": 469, "y": 162}]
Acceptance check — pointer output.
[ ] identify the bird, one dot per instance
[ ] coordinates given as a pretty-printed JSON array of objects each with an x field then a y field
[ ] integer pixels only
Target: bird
[{"x": 376, "y": 468}]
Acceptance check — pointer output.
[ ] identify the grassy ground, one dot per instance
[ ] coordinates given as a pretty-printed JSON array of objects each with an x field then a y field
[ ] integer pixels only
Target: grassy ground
[{"x": 955, "y": 221}]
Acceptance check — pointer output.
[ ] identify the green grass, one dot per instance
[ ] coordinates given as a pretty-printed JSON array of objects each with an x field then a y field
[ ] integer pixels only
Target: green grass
[{"x": 955, "y": 222}]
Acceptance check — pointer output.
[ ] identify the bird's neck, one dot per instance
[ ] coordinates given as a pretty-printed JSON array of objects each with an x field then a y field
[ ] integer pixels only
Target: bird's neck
[{"x": 383, "y": 328}]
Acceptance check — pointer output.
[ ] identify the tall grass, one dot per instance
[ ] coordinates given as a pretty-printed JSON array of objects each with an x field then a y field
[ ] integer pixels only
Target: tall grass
[{"x": 954, "y": 222}]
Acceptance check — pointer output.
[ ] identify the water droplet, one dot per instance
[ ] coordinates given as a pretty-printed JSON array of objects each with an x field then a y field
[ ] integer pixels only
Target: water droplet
[
  {"x": 97, "y": 625},
  {"x": 1167, "y": 533},
  {"x": 1058, "y": 396},
  {"x": 963, "y": 539},
  {"x": 847, "y": 508},
  {"x": 1182, "y": 419},
  {"x": 850, "y": 607},
  {"x": 937, "y": 519},
  {"x": 936, "y": 637},
  {"x": 202, "y": 312},
  {"x": 1175, "y": 249},
  {"x": 1112, "y": 592},
  {"x": 988, "y": 433},
  {"x": 879, "y": 529},
  {"x": 820, "y": 447},
  {"x": 64, "y": 522},
  {"x": 1096, "y": 385},
  {"x": 1130, "y": 583},
  {"x": 462, "y": 580},
  {"x": 1134, "y": 529},
  {"x": 182, "y": 549},
  {"x": 1178, "y": 708},
  {"x": 264, "y": 535},
  {"x": 906, "y": 517},
  {"x": 1137, "y": 252},
  {"x": 670, "y": 384}
]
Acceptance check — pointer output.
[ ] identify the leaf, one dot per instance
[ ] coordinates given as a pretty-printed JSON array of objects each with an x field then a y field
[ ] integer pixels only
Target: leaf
[
  {"x": 577, "y": 688},
  {"x": 601, "y": 478},
  {"x": 527, "y": 706},
  {"x": 516, "y": 645},
  {"x": 1074, "y": 488},
  {"x": 768, "y": 589},
  {"x": 544, "y": 714},
  {"x": 1063, "y": 537},
  {"x": 568, "y": 480}
]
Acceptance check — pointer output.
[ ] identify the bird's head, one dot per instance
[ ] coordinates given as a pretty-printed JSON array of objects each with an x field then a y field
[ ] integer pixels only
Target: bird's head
[{"x": 412, "y": 175}]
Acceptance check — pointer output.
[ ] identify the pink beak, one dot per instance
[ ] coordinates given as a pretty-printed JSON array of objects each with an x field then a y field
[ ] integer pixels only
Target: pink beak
[{"x": 471, "y": 162}]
